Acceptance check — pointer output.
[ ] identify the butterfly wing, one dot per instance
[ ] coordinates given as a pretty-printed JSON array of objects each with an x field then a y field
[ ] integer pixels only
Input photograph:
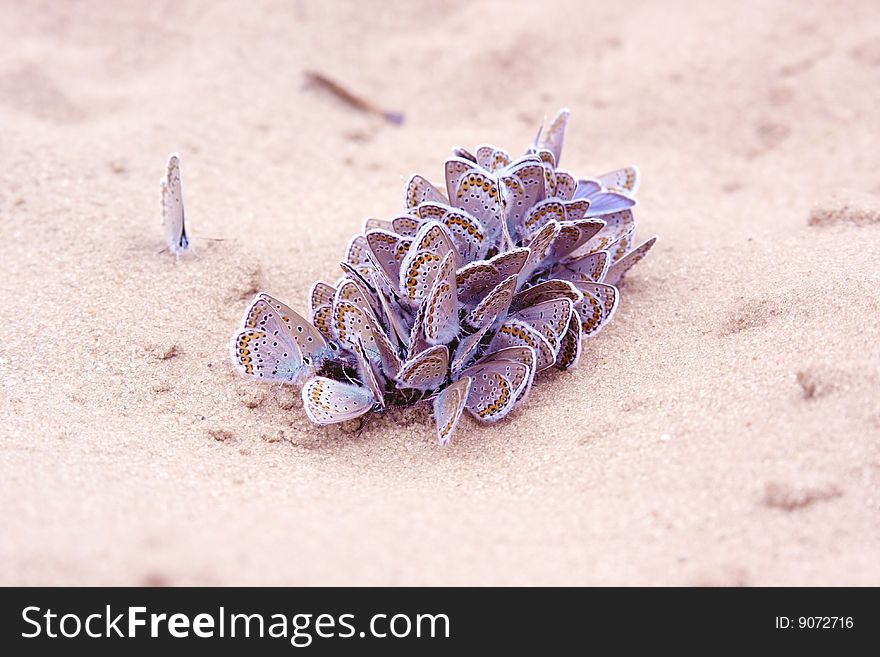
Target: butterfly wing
[
  {"x": 376, "y": 224},
  {"x": 617, "y": 225},
  {"x": 539, "y": 249},
  {"x": 313, "y": 347},
  {"x": 379, "y": 347},
  {"x": 550, "y": 318},
  {"x": 510, "y": 262},
  {"x": 385, "y": 247},
  {"x": 523, "y": 187},
  {"x": 426, "y": 370},
  {"x": 494, "y": 305},
  {"x": 456, "y": 169},
  {"x": 597, "y": 308},
  {"x": 407, "y": 225},
  {"x": 624, "y": 180},
  {"x": 441, "y": 306},
  {"x": 573, "y": 235},
  {"x": 565, "y": 185},
  {"x": 587, "y": 188},
  {"x": 570, "y": 346},
  {"x": 494, "y": 389},
  {"x": 171, "y": 196},
  {"x": 357, "y": 254},
  {"x": 479, "y": 194},
  {"x": 521, "y": 379},
  {"x": 492, "y": 158},
  {"x": 349, "y": 290},
  {"x": 461, "y": 151},
  {"x": 541, "y": 213},
  {"x": 553, "y": 136},
  {"x": 467, "y": 233},
  {"x": 321, "y": 318},
  {"x": 607, "y": 202},
  {"x": 368, "y": 374},
  {"x": 516, "y": 333},
  {"x": 419, "y": 190},
  {"x": 417, "y": 341},
  {"x": 396, "y": 319},
  {"x": 422, "y": 262},
  {"x": 327, "y": 401},
  {"x": 577, "y": 209},
  {"x": 321, "y": 294},
  {"x": 590, "y": 268},
  {"x": 448, "y": 407},
  {"x": 467, "y": 349},
  {"x": 474, "y": 280},
  {"x": 545, "y": 291},
  {"x": 264, "y": 348},
  {"x": 619, "y": 268}
]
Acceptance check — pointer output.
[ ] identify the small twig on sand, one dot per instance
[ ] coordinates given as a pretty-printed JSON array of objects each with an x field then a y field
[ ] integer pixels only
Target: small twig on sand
[{"x": 352, "y": 99}]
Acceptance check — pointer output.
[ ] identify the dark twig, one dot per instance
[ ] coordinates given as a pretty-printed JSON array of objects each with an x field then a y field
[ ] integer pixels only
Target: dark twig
[{"x": 352, "y": 99}]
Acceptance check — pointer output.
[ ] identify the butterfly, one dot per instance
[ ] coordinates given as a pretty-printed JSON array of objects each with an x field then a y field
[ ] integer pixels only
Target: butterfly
[
  {"x": 539, "y": 249},
  {"x": 426, "y": 370},
  {"x": 328, "y": 401},
  {"x": 590, "y": 268},
  {"x": 523, "y": 187},
  {"x": 448, "y": 407},
  {"x": 497, "y": 384},
  {"x": 553, "y": 136},
  {"x": 422, "y": 261},
  {"x": 617, "y": 271},
  {"x": 597, "y": 307},
  {"x": 549, "y": 318},
  {"x": 491, "y": 158},
  {"x": 478, "y": 192},
  {"x": 171, "y": 197},
  {"x": 495, "y": 304},
  {"x": 419, "y": 190},
  {"x": 545, "y": 291},
  {"x": 441, "y": 305},
  {"x": 569, "y": 353},
  {"x": 517, "y": 333},
  {"x": 277, "y": 344}
]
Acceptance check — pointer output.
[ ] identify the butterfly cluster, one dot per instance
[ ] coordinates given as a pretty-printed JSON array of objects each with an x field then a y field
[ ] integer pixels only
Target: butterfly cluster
[{"x": 462, "y": 298}]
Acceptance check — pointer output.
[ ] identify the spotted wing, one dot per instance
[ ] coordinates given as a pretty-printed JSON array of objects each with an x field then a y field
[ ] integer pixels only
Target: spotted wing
[
  {"x": 312, "y": 344},
  {"x": 171, "y": 197},
  {"x": 426, "y": 370},
  {"x": 327, "y": 401},
  {"x": 419, "y": 190},
  {"x": 441, "y": 305},
  {"x": 553, "y": 136},
  {"x": 619, "y": 268},
  {"x": 448, "y": 407}
]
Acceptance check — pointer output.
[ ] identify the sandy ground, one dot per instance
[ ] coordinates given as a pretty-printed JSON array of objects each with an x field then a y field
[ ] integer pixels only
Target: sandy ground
[{"x": 725, "y": 429}]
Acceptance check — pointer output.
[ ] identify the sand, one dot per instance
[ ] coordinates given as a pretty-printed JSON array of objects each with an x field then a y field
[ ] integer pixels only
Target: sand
[{"x": 724, "y": 429}]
